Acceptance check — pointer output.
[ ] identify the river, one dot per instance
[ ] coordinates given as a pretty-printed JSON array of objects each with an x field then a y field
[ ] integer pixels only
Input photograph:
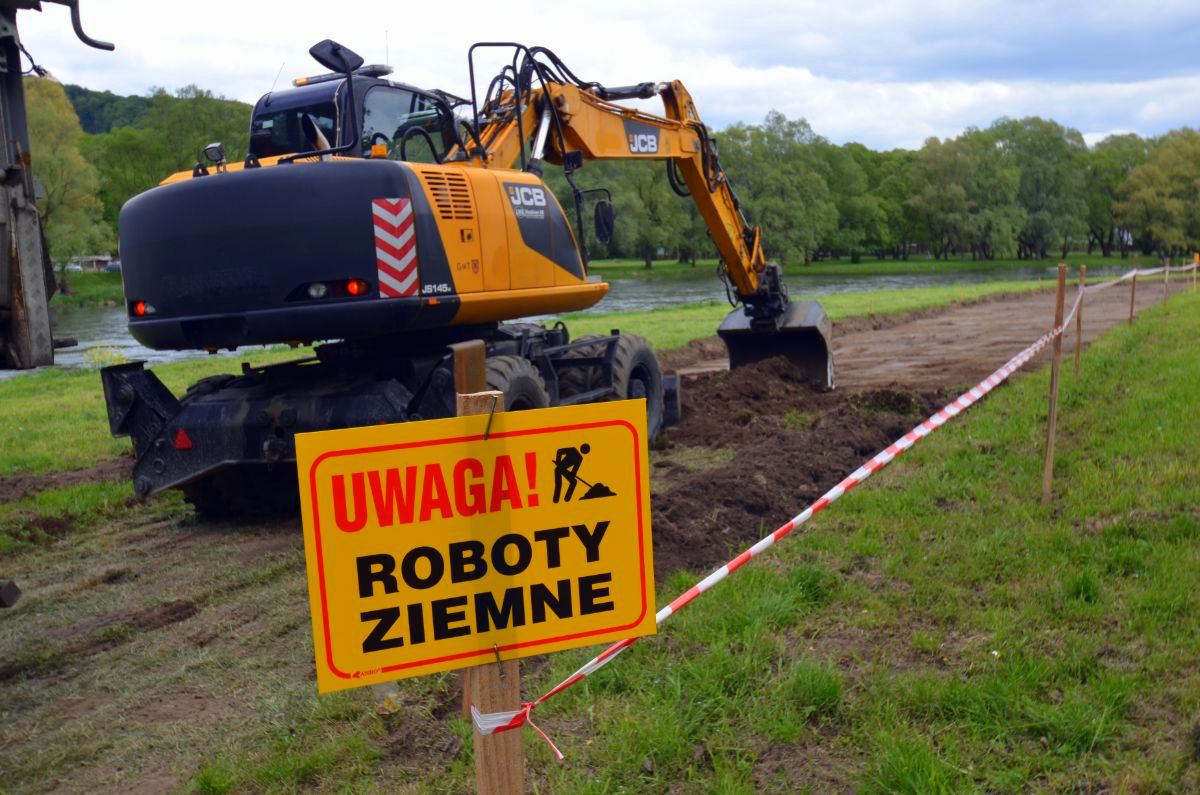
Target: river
[{"x": 103, "y": 335}]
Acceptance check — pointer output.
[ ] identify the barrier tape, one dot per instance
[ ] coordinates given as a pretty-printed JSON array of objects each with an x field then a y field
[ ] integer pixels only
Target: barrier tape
[{"x": 493, "y": 722}]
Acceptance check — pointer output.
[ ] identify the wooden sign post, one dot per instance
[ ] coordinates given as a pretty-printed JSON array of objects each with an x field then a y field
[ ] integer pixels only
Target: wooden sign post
[
  {"x": 458, "y": 543},
  {"x": 1052, "y": 420}
]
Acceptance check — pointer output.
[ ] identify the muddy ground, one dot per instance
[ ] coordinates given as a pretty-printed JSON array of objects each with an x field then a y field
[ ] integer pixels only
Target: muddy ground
[{"x": 144, "y": 647}]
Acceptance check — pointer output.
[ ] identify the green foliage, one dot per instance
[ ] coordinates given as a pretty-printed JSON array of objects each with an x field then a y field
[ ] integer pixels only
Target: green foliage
[
  {"x": 101, "y": 111},
  {"x": 68, "y": 207},
  {"x": 1161, "y": 198}
]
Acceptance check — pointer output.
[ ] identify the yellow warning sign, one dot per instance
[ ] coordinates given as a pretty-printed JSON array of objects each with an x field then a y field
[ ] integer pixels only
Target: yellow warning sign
[{"x": 431, "y": 546}]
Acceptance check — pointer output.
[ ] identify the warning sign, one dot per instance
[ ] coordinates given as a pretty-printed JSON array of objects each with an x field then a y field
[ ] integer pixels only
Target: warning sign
[{"x": 430, "y": 547}]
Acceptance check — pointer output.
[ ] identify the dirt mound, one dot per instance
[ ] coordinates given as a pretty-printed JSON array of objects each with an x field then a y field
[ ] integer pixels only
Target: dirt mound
[{"x": 790, "y": 444}]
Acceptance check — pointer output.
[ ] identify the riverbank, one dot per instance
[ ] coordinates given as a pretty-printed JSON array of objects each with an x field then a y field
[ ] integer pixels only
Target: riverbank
[
  {"x": 90, "y": 289},
  {"x": 669, "y": 270}
]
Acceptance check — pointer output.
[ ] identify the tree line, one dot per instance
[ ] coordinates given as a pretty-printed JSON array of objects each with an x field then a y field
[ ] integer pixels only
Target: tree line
[{"x": 1026, "y": 188}]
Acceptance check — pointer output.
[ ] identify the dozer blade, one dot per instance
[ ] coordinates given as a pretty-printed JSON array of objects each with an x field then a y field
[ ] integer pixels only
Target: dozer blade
[{"x": 802, "y": 334}]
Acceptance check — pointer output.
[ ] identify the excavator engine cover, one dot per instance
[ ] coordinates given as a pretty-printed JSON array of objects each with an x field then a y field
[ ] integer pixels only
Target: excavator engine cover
[{"x": 802, "y": 334}]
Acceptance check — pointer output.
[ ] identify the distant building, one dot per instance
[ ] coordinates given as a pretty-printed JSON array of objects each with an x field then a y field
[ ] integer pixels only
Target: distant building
[{"x": 90, "y": 262}]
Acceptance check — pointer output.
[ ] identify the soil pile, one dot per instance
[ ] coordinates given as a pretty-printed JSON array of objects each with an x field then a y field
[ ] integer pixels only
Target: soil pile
[{"x": 790, "y": 444}]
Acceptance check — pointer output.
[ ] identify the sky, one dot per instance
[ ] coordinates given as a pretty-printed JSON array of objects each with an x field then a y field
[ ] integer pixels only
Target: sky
[{"x": 885, "y": 74}]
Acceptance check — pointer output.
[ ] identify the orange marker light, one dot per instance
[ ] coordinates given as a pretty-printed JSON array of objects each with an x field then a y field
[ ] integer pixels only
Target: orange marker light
[
  {"x": 379, "y": 150},
  {"x": 357, "y": 287}
]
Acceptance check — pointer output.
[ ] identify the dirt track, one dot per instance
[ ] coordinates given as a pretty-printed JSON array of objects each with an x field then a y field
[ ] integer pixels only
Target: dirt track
[{"x": 932, "y": 350}]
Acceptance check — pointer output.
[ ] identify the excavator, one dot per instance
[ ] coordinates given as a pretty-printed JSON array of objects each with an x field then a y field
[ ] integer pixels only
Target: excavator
[{"x": 389, "y": 223}]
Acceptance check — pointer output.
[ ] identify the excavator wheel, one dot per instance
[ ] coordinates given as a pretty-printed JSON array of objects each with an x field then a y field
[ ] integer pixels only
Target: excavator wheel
[
  {"x": 520, "y": 382},
  {"x": 576, "y": 380},
  {"x": 245, "y": 493},
  {"x": 636, "y": 374}
]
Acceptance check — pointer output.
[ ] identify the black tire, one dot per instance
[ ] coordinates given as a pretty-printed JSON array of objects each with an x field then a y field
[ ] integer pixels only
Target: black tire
[
  {"x": 636, "y": 374},
  {"x": 206, "y": 386},
  {"x": 245, "y": 493},
  {"x": 519, "y": 380},
  {"x": 577, "y": 380}
]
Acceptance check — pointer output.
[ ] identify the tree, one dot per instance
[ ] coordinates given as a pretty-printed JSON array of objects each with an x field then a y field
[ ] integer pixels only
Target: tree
[
  {"x": 1160, "y": 202},
  {"x": 1050, "y": 159},
  {"x": 1109, "y": 165},
  {"x": 775, "y": 170},
  {"x": 939, "y": 199},
  {"x": 69, "y": 209},
  {"x": 992, "y": 184}
]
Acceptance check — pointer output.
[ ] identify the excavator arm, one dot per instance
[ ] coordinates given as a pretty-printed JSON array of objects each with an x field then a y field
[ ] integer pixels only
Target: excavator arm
[{"x": 568, "y": 123}]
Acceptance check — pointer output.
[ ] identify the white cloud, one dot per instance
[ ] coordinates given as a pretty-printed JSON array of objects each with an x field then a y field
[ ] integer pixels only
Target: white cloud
[{"x": 884, "y": 73}]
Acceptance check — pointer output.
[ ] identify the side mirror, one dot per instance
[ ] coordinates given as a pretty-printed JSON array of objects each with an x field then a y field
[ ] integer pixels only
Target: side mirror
[
  {"x": 335, "y": 57},
  {"x": 605, "y": 221}
]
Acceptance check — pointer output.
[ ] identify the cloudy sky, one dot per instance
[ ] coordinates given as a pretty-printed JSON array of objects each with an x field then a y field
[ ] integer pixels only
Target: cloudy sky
[{"x": 888, "y": 74}]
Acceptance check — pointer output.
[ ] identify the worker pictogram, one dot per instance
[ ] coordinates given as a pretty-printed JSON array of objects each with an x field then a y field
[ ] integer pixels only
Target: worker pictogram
[
  {"x": 567, "y": 462},
  {"x": 432, "y": 545}
]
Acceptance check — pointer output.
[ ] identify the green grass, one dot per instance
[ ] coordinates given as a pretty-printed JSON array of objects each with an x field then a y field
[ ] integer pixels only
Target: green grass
[
  {"x": 56, "y": 420},
  {"x": 936, "y": 631},
  {"x": 673, "y": 327},
  {"x": 90, "y": 289},
  {"x": 1012, "y": 648}
]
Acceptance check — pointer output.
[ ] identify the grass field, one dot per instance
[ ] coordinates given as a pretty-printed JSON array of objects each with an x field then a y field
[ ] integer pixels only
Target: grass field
[
  {"x": 936, "y": 631},
  {"x": 39, "y": 410}
]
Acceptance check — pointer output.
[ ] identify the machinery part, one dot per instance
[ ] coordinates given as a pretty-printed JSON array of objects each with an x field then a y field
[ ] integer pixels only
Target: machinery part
[
  {"x": 801, "y": 334},
  {"x": 519, "y": 380},
  {"x": 245, "y": 493},
  {"x": 636, "y": 374},
  {"x": 578, "y": 380},
  {"x": 9, "y": 593},
  {"x": 26, "y": 275}
]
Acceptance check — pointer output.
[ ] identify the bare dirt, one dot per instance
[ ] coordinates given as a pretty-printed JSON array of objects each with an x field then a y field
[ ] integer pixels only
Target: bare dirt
[
  {"x": 950, "y": 348},
  {"x": 14, "y": 488},
  {"x": 791, "y": 444}
]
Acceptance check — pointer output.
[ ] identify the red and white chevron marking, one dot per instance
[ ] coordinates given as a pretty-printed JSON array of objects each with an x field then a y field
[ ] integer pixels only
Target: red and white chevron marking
[
  {"x": 491, "y": 722},
  {"x": 395, "y": 247}
]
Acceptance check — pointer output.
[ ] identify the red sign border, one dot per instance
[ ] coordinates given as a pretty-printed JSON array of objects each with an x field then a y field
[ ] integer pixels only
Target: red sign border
[{"x": 316, "y": 518}]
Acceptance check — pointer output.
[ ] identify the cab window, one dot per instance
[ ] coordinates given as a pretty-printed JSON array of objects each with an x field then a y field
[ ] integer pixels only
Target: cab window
[
  {"x": 286, "y": 132},
  {"x": 395, "y": 115}
]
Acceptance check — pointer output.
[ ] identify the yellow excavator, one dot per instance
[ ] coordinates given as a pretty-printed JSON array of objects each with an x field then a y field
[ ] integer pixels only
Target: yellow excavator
[{"x": 390, "y": 222}]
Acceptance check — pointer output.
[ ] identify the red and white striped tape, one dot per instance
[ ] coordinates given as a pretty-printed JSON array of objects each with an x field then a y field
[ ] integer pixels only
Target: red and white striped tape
[
  {"x": 395, "y": 247},
  {"x": 492, "y": 722}
]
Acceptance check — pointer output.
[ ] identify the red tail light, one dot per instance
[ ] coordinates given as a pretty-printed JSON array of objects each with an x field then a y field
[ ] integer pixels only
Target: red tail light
[
  {"x": 357, "y": 287},
  {"x": 141, "y": 308}
]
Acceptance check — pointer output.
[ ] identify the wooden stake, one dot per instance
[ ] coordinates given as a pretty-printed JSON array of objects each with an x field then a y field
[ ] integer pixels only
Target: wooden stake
[
  {"x": 1052, "y": 422},
  {"x": 1166, "y": 275},
  {"x": 1132, "y": 295},
  {"x": 1079, "y": 319},
  {"x": 495, "y": 687}
]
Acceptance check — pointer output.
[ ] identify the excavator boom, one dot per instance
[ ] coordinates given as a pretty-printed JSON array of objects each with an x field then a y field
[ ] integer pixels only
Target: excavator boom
[{"x": 566, "y": 121}]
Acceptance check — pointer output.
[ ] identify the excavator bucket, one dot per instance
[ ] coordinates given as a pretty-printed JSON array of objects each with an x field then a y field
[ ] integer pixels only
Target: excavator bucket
[{"x": 802, "y": 334}]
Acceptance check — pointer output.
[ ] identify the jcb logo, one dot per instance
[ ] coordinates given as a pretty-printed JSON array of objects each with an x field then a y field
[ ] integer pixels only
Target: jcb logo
[
  {"x": 640, "y": 144},
  {"x": 523, "y": 196}
]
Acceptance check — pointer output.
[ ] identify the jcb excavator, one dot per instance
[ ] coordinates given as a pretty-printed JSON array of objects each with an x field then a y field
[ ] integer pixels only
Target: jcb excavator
[{"x": 395, "y": 222}]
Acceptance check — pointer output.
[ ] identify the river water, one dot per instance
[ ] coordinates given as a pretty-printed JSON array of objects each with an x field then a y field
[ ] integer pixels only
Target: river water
[{"x": 103, "y": 335}]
